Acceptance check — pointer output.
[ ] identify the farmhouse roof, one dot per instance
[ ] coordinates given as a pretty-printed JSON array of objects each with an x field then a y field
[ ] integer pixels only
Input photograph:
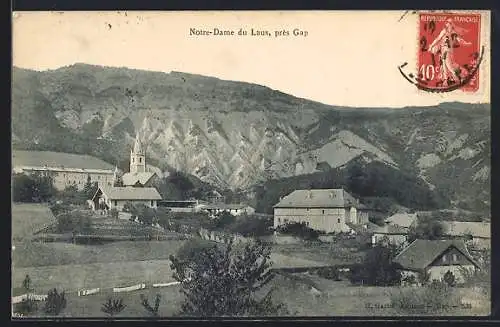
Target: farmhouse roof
[
  {"x": 421, "y": 253},
  {"x": 130, "y": 179},
  {"x": 402, "y": 219},
  {"x": 49, "y": 159},
  {"x": 391, "y": 230},
  {"x": 130, "y": 193},
  {"x": 460, "y": 228},
  {"x": 319, "y": 198}
]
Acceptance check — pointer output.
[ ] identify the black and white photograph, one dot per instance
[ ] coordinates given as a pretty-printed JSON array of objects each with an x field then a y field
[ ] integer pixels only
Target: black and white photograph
[{"x": 250, "y": 164}]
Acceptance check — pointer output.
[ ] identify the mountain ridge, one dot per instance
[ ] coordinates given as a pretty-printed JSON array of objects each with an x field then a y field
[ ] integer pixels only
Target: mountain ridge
[{"x": 237, "y": 134}]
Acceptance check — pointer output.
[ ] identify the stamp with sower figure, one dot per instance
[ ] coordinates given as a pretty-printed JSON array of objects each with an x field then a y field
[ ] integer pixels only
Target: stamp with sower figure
[{"x": 449, "y": 52}]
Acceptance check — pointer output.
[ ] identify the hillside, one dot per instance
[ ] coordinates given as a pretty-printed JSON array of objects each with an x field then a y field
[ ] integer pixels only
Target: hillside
[{"x": 236, "y": 135}]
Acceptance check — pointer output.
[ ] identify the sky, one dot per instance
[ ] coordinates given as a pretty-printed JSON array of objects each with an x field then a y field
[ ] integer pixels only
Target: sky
[{"x": 347, "y": 58}]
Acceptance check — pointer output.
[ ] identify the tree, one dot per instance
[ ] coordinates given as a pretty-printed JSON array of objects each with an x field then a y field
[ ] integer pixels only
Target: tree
[
  {"x": 449, "y": 279},
  {"x": 55, "y": 303},
  {"x": 222, "y": 281},
  {"x": 89, "y": 188},
  {"x": 28, "y": 305},
  {"x": 426, "y": 229},
  {"x": 223, "y": 219},
  {"x": 74, "y": 221},
  {"x": 118, "y": 182},
  {"x": 114, "y": 213},
  {"x": 33, "y": 188},
  {"x": 27, "y": 283},
  {"x": 71, "y": 194},
  {"x": 377, "y": 268},
  {"x": 300, "y": 230},
  {"x": 153, "y": 310},
  {"x": 113, "y": 306}
]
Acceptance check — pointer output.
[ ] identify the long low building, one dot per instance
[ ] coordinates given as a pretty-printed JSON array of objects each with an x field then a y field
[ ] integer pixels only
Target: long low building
[
  {"x": 66, "y": 169},
  {"x": 476, "y": 234},
  {"x": 110, "y": 197}
]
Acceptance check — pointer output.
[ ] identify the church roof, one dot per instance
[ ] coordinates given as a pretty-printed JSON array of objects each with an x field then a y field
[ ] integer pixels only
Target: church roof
[
  {"x": 59, "y": 160},
  {"x": 130, "y": 193},
  {"x": 130, "y": 179}
]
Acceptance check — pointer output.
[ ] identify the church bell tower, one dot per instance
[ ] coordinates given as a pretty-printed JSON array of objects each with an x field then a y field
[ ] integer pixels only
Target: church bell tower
[{"x": 137, "y": 157}]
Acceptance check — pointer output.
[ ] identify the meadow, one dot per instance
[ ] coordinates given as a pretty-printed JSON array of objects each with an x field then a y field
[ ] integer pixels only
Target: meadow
[
  {"x": 28, "y": 218},
  {"x": 328, "y": 299}
]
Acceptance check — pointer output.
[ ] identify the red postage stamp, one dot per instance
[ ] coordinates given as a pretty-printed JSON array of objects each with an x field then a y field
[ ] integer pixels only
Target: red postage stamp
[{"x": 449, "y": 51}]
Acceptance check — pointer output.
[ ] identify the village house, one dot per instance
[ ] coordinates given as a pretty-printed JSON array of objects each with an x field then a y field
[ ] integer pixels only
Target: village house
[
  {"x": 234, "y": 209},
  {"x": 390, "y": 234},
  {"x": 477, "y": 235},
  {"x": 182, "y": 205},
  {"x": 110, "y": 197},
  {"x": 435, "y": 258},
  {"x": 139, "y": 175},
  {"x": 403, "y": 220},
  {"x": 65, "y": 169},
  {"x": 327, "y": 210}
]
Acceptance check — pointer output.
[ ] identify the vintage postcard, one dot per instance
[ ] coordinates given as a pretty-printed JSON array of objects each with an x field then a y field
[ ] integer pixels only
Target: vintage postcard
[{"x": 251, "y": 164}]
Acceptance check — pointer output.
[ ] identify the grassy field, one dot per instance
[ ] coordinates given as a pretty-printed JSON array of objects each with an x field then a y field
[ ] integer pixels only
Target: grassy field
[
  {"x": 335, "y": 299},
  {"x": 90, "y": 306},
  {"x": 37, "y": 254},
  {"x": 27, "y": 218},
  {"x": 328, "y": 253},
  {"x": 343, "y": 299},
  {"x": 103, "y": 275}
]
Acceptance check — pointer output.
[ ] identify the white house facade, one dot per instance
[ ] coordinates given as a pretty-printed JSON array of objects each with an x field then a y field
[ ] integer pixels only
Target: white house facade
[{"x": 328, "y": 210}]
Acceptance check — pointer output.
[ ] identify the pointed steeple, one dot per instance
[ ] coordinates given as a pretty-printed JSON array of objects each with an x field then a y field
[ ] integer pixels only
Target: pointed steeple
[{"x": 138, "y": 149}]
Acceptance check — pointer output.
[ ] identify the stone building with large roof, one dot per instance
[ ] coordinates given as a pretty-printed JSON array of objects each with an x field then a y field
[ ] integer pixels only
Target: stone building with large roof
[{"x": 327, "y": 210}]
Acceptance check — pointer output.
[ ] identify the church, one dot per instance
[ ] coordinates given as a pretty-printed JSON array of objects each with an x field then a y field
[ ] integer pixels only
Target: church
[
  {"x": 138, "y": 185},
  {"x": 139, "y": 176}
]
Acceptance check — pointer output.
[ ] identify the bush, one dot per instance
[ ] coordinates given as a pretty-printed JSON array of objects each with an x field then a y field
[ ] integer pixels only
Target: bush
[
  {"x": 55, "y": 303},
  {"x": 114, "y": 213},
  {"x": 449, "y": 279},
  {"x": 75, "y": 221},
  {"x": 426, "y": 229},
  {"x": 59, "y": 208},
  {"x": 223, "y": 220},
  {"x": 152, "y": 310},
  {"x": 252, "y": 226},
  {"x": 192, "y": 247},
  {"x": 377, "y": 269},
  {"x": 299, "y": 230},
  {"x": 432, "y": 299},
  {"x": 32, "y": 188},
  {"x": 113, "y": 306},
  {"x": 329, "y": 273}
]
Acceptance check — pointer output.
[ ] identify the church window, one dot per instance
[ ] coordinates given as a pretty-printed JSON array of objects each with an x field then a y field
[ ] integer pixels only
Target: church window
[
  {"x": 338, "y": 220},
  {"x": 140, "y": 159},
  {"x": 444, "y": 258},
  {"x": 323, "y": 211},
  {"x": 116, "y": 203},
  {"x": 454, "y": 257}
]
